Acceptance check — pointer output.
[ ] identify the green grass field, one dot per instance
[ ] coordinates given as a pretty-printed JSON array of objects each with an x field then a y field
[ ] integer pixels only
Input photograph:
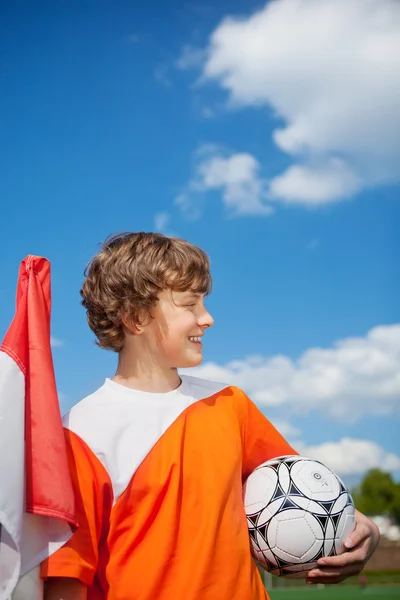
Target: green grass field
[{"x": 337, "y": 593}]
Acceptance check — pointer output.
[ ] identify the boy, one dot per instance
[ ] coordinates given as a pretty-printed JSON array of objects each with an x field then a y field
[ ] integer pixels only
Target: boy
[{"x": 158, "y": 460}]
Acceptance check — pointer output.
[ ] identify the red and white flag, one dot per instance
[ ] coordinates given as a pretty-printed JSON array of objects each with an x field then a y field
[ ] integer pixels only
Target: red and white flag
[{"x": 36, "y": 496}]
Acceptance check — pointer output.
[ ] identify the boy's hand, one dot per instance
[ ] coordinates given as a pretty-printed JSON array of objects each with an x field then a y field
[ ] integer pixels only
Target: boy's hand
[{"x": 361, "y": 543}]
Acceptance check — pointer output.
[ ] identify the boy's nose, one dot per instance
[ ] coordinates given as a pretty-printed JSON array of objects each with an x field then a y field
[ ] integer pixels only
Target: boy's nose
[{"x": 205, "y": 320}]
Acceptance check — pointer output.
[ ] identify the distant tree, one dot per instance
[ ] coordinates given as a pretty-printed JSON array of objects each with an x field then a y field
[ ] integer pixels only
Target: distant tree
[{"x": 378, "y": 494}]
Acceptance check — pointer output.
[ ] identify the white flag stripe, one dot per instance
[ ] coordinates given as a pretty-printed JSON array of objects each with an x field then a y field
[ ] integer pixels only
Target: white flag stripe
[
  {"x": 29, "y": 587},
  {"x": 12, "y": 416}
]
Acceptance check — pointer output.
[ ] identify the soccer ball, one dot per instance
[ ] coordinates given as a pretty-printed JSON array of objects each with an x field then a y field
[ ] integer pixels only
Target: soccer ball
[{"x": 297, "y": 511}]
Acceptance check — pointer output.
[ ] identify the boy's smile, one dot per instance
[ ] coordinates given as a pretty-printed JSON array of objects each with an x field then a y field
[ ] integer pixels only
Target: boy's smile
[
  {"x": 176, "y": 330},
  {"x": 196, "y": 340}
]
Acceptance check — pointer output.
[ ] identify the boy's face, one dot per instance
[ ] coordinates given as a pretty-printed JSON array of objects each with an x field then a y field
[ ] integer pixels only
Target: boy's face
[{"x": 174, "y": 335}]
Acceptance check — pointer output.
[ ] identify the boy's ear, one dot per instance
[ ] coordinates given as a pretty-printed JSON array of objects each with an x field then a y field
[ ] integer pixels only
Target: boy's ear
[{"x": 132, "y": 326}]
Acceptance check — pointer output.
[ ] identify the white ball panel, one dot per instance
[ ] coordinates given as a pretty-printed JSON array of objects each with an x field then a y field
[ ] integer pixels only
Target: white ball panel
[
  {"x": 308, "y": 504},
  {"x": 284, "y": 477},
  {"x": 269, "y": 511},
  {"x": 301, "y": 501},
  {"x": 287, "y": 557},
  {"x": 312, "y": 552},
  {"x": 299, "y": 480},
  {"x": 315, "y": 480},
  {"x": 317, "y": 508},
  {"x": 314, "y": 525},
  {"x": 340, "y": 503},
  {"x": 290, "y": 535},
  {"x": 328, "y": 546},
  {"x": 329, "y": 529},
  {"x": 259, "y": 489},
  {"x": 346, "y": 525}
]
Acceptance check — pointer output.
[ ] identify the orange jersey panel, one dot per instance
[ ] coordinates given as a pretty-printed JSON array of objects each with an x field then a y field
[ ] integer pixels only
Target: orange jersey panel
[{"x": 172, "y": 526}]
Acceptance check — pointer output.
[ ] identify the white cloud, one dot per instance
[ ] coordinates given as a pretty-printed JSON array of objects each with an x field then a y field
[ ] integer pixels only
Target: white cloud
[
  {"x": 236, "y": 176},
  {"x": 188, "y": 206},
  {"x": 355, "y": 377},
  {"x": 161, "y": 221},
  {"x": 315, "y": 185},
  {"x": 55, "y": 342},
  {"x": 348, "y": 456},
  {"x": 161, "y": 74},
  {"x": 328, "y": 69},
  {"x": 288, "y": 430},
  {"x": 351, "y": 456},
  {"x": 191, "y": 57}
]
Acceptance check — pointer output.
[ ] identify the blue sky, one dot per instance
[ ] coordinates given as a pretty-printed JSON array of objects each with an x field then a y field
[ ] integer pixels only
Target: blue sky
[{"x": 124, "y": 116}]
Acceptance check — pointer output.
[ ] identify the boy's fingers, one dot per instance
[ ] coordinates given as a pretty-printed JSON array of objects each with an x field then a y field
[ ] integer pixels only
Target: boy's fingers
[
  {"x": 353, "y": 558},
  {"x": 336, "y": 562},
  {"x": 357, "y": 536},
  {"x": 333, "y": 562},
  {"x": 317, "y": 576},
  {"x": 360, "y": 544},
  {"x": 323, "y": 574},
  {"x": 330, "y": 575}
]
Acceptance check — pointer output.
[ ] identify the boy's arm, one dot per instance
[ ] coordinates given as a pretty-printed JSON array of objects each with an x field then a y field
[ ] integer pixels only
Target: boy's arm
[
  {"x": 261, "y": 441},
  {"x": 64, "y": 588}
]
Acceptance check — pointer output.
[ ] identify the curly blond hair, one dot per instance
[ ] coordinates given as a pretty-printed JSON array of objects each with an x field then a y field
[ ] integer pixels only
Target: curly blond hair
[{"x": 123, "y": 280}]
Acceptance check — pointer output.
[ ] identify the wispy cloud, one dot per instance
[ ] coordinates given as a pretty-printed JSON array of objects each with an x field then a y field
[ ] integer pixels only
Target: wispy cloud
[
  {"x": 235, "y": 176},
  {"x": 161, "y": 222},
  {"x": 289, "y": 431},
  {"x": 191, "y": 57},
  {"x": 161, "y": 75},
  {"x": 244, "y": 191},
  {"x": 56, "y": 342}
]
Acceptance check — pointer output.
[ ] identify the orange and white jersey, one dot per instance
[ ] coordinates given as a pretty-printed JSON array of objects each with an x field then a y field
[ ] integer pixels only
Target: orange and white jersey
[{"x": 158, "y": 483}]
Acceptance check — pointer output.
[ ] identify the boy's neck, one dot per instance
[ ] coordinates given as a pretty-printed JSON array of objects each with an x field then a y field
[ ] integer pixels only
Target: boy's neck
[{"x": 144, "y": 377}]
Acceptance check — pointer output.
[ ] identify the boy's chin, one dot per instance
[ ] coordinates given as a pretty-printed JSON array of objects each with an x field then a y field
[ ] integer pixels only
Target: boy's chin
[{"x": 191, "y": 362}]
